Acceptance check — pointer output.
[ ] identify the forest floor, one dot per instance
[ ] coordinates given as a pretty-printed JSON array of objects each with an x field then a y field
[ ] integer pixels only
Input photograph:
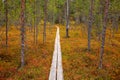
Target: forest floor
[
  {"x": 38, "y": 57},
  {"x": 78, "y": 64}
]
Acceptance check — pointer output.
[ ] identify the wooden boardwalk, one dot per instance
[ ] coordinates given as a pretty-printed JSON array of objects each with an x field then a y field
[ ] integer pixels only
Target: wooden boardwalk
[{"x": 56, "y": 71}]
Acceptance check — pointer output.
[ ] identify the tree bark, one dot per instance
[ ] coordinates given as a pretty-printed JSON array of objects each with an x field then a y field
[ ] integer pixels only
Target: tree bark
[
  {"x": 37, "y": 9},
  {"x": 45, "y": 20},
  {"x": 90, "y": 24},
  {"x": 22, "y": 32},
  {"x": 6, "y": 22},
  {"x": 35, "y": 40},
  {"x": 104, "y": 32},
  {"x": 67, "y": 19}
]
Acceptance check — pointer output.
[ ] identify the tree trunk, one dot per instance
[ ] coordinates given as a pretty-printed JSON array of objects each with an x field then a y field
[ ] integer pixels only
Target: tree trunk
[
  {"x": 6, "y": 22},
  {"x": 37, "y": 18},
  {"x": 104, "y": 32},
  {"x": 22, "y": 32},
  {"x": 45, "y": 20},
  {"x": 35, "y": 40},
  {"x": 77, "y": 19},
  {"x": 90, "y": 25},
  {"x": 67, "y": 20}
]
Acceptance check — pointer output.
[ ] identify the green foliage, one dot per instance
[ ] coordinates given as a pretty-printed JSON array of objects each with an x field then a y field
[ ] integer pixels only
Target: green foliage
[
  {"x": 1, "y": 13},
  {"x": 79, "y": 9}
]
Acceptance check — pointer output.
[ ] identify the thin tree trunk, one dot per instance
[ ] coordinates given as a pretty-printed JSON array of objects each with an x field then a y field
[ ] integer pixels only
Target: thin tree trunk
[
  {"x": 22, "y": 32},
  {"x": 35, "y": 21},
  {"x": 37, "y": 18},
  {"x": 67, "y": 19},
  {"x": 100, "y": 14},
  {"x": 104, "y": 32},
  {"x": 90, "y": 24},
  {"x": 6, "y": 20},
  {"x": 45, "y": 20},
  {"x": 77, "y": 19}
]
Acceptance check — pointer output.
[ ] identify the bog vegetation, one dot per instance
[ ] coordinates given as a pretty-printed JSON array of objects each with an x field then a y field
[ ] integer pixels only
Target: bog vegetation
[{"x": 89, "y": 31}]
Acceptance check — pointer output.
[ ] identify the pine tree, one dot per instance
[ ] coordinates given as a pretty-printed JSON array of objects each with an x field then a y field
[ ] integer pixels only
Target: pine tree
[
  {"x": 22, "y": 32},
  {"x": 105, "y": 20}
]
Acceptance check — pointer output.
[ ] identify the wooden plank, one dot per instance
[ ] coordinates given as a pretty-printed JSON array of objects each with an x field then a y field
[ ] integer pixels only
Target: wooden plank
[
  {"x": 56, "y": 71},
  {"x": 52, "y": 75},
  {"x": 59, "y": 66}
]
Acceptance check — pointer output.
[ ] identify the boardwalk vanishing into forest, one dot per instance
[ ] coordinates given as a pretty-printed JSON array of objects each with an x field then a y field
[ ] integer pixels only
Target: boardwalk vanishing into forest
[{"x": 56, "y": 71}]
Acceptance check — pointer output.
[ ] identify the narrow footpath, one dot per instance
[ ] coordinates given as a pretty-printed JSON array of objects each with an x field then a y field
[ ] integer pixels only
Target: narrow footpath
[{"x": 56, "y": 71}]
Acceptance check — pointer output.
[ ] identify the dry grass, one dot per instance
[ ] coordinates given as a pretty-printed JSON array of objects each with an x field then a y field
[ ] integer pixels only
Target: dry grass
[
  {"x": 78, "y": 64},
  {"x": 38, "y": 57}
]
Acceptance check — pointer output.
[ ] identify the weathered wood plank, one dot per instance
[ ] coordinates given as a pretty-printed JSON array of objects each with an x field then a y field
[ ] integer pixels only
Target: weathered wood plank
[
  {"x": 59, "y": 67},
  {"x": 56, "y": 71}
]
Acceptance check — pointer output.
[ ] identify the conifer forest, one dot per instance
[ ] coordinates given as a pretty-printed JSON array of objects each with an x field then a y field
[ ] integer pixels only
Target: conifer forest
[{"x": 59, "y": 39}]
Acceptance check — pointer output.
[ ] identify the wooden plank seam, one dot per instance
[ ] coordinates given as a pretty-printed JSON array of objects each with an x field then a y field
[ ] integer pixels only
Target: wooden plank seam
[{"x": 56, "y": 70}]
